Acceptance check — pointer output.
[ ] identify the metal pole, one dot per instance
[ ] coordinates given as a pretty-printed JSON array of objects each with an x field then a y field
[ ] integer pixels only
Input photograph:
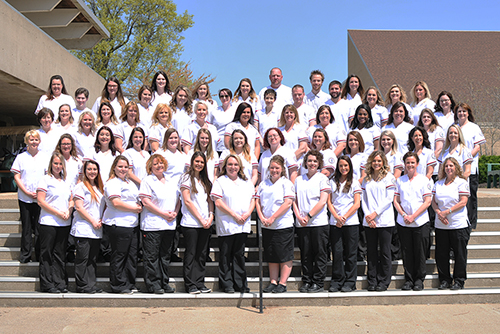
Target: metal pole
[{"x": 261, "y": 273}]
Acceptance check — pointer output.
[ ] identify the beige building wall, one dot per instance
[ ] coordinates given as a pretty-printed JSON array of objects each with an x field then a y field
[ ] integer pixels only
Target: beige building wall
[{"x": 29, "y": 57}]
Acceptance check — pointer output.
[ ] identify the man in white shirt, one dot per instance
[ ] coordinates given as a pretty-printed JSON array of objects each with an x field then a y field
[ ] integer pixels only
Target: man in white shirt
[
  {"x": 340, "y": 110},
  {"x": 316, "y": 98},
  {"x": 307, "y": 114},
  {"x": 81, "y": 98},
  {"x": 283, "y": 93}
]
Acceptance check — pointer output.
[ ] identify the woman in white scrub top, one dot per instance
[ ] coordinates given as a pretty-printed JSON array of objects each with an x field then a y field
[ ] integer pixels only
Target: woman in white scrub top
[
  {"x": 160, "y": 198},
  {"x": 233, "y": 195},
  {"x": 55, "y": 96},
  {"x": 311, "y": 223},
  {"x": 85, "y": 135},
  {"x": 162, "y": 120},
  {"x": 274, "y": 208},
  {"x": 171, "y": 150},
  {"x": 55, "y": 200},
  {"x": 87, "y": 227},
  {"x": 137, "y": 156},
  {"x": 421, "y": 99},
  {"x": 399, "y": 124},
  {"x": 238, "y": 145},
  {"x": 121, "y": 224},
  {"x": 113, "y": 93}
]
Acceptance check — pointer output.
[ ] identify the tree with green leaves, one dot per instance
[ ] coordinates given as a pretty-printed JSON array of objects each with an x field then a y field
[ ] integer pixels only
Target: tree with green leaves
[{"x": 144, "y": 35}]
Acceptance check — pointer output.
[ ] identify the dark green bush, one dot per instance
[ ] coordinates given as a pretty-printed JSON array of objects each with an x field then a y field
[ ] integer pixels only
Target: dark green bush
[{"x": 483, "y": 168}]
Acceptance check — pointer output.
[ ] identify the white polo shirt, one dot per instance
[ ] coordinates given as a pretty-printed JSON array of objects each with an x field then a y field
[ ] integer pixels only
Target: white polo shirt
[
  {"x": 369, "y": 136},
  {"x": 427, "y": 159},
  {"x": 81, "y": 228},
  {"x": 340, "y": 111},
  {"x": 199, "y": 201},
  {"x": 265, "y": 159},
  {"x": 32, "y": 169},
  {"x": 473, "y": 136},
  {"x": 124, "y": 130},
  {"x": 250, "y": 131},
  {"x": 157, "y": 99},
  {"x": 57, "y": 195},
  {"x": 272, "y": 196},
  {"x": 248, "y": 166},
  {"x": 55, "y": 103},
  {"x": 128, "y": 193},
  {"x": 401, "y": 133},
  {"x": 379, "y": 115},
  {"x": 335, "y": 133},
  {"x": 446, "y": 196},
  {"x": 283, "y": 95},
  {"x": 445, "y": 121},
  {"x": 77, "y": 113},
  {"x": 157, "y": 133},
  {"x": 329, "y": 161},
  {"x": 294, "y": 136},
  {"x": 105, "y": 161},
  {"x": 164, "y": 196},
  {"x": 212, "y": 164},
  {"x": 343, "y": 201},
  {"x": 220, "y": 119},
  {"x": 378, "y": 197},
  {"x": 436, "y": 136},
  {"x": 317, "y": 100},
  {"x": 395, "y": 161},
  {"x": 255, "y": 104},
  {"x": 137, "y": 161},
  {"x": 308, "y": 192},
  {"x": 117, "y": 108},
  {"x": 267, "y": 120},
  {"x": 73, "y": 171},
  {"x": 461, "y": 153},
  {"x": 176, "y": 164},
  {"x": 145, "y": 115},
  {"x": 237, "y": 195},
  {"x": 191, "y": 133},
  {"x": 306, "y": 114},
  {"x": 84, "y": 144},
  {"x": 358, "y": 164},
  {"x": 412, "y": 195},
  {"x": 48, "y": 141},
  {"x": 181, "y": 119},
  {"x": 417, "y": 108}
]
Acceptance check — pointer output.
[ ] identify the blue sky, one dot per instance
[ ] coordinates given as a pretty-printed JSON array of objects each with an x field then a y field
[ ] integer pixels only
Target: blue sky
[{"x": 234, "y": 39}]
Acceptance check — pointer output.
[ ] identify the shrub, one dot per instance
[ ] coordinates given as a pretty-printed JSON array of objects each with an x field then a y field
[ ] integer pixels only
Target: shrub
[{"x": 483, "y": 168}]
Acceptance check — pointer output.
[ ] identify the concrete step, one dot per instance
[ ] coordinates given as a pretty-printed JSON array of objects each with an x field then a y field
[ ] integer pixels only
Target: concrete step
[
  {"x": 474, "y": 252},
  {"x": 218, "y": 299},
  {"x": 474, "y": 280},
  {"x": 488, "y": 212},
  {"x": 14, "y": 268}
]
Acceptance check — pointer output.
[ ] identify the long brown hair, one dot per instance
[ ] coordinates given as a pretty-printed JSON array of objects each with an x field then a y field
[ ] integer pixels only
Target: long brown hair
[
  {"x": 337, "y": 175},
  {"x": 203, "y": 176},
  {"x": 98, "y": 180}
]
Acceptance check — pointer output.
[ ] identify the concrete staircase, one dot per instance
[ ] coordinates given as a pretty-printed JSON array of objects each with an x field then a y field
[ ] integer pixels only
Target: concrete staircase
[{"x": 19, "y": 283}]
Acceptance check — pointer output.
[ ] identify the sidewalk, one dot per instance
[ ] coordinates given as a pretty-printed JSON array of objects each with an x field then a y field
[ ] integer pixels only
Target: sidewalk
[{"x": 458, "y": 318}]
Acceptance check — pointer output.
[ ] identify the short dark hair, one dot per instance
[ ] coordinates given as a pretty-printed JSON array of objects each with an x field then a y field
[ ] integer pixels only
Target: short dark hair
[{"x": 82, "y": 90}]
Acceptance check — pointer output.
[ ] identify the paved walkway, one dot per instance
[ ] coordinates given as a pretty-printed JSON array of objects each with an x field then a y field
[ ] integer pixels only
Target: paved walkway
[{"x": 458, "y": 318}]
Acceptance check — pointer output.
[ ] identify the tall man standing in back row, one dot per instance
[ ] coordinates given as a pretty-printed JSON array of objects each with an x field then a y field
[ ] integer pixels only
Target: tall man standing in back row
[
  {"x": 283, "y": 93},
  {"x": 316, "y": 98}
]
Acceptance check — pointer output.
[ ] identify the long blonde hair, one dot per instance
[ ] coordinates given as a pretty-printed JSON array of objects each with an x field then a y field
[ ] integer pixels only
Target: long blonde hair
[{"x": 369, "y": 169}]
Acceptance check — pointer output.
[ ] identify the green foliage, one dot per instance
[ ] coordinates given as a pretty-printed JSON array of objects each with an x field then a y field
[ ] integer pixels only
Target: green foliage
[
  {"x": 144, "y": 35},
  {"x": 483, "y": 168}
]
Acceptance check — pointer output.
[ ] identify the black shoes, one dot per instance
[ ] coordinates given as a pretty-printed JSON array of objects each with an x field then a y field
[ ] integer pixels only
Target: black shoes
[
  {"x": 334, "y": 288},
  {"x": 407, "y": 286},
  {"x": 456, "y": 286},
  {"x": 346, "y": 288},
  {"x": 315, "y": 288},
  {"x": 372, "y": 288},
  {"x": 381, "y": 288},
  {"x": 229, "y": 290},
  {"x": 305, "y": 287},
  {"x": 444, "y": 285},
  {"x": 168, "y": 289},
  {"x": 280, "y": 289},
  {"x": 204, "y": 289},
  {"x": 270, "y": 288}
]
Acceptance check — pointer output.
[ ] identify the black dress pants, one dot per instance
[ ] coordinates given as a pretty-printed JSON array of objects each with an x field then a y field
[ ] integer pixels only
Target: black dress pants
[
  {"x": 52, "y": 269},
  {"x": 457, "y": 241},
  {"x": 379, "y": 263},
  {"x": 195, "y": 257},
  {"x": 232, "y": 272},
  {"x": 157, "y": 246},
  {"x": 313, "y": 243},
  {"x": 344, "y": 242},
  {"x": 87, "y": 250},
  {"x": 123, "y": 262},
  {"x": 414, "y": 242},
  {"x": 30, "y": 215}
]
